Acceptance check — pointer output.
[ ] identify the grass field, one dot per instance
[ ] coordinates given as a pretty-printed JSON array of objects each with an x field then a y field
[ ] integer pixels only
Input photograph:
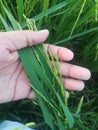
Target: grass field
[{"x": 72, "y": 24}]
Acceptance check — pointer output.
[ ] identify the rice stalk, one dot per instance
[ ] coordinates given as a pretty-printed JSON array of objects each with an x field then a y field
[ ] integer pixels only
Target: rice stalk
[
  {"x": 78, "y": 17},
  {"x": 52, "y": 92}
]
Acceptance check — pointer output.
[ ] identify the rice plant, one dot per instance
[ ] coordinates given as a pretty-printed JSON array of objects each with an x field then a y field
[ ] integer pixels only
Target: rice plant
[{"x": 73, "y": 24}]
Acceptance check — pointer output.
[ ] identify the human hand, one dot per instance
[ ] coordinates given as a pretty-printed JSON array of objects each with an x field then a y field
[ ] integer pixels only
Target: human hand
[{"x": 14, "y": 83}]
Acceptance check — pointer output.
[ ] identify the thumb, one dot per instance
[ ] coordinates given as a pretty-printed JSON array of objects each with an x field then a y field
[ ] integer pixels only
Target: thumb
[{"x": 19, "y": 39}]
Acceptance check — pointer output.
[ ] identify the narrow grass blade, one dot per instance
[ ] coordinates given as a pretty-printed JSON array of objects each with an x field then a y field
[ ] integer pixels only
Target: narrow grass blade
[
  {"x": 46, "y": 113},
  {"x": 77, "y": 35},
  {"x": 67, "y": 113},
  {"x": 48, "y": 11},
  {"x": 79, "y": 106},
  {"x": 14, "y": 23},
  {"x": 42, "y": 56},
  {"x": 39, "y": 68},
  {"x": 78, "y": 17},
  {"x": 1, "y": 9},
  {"x": 6, "y": 26},
  {"x": 20, "y": 10},
  {"x": 60, "y": 123}
]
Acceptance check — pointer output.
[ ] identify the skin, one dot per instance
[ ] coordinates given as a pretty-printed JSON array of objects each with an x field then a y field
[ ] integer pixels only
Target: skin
[{"x": 14, "y": 83}]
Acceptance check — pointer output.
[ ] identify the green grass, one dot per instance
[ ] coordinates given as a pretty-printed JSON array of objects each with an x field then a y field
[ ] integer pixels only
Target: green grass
[{"x": 72, "y": 24}]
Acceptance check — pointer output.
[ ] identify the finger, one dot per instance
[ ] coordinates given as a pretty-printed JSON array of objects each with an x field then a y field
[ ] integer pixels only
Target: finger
[
  {"x": 74, "y": 71},
  {"x": 32, "y": 95},
  {"x": 72, "y": 84},
  {"x": 62, "y": 53},
  {"x": 15, "y": 40}
]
